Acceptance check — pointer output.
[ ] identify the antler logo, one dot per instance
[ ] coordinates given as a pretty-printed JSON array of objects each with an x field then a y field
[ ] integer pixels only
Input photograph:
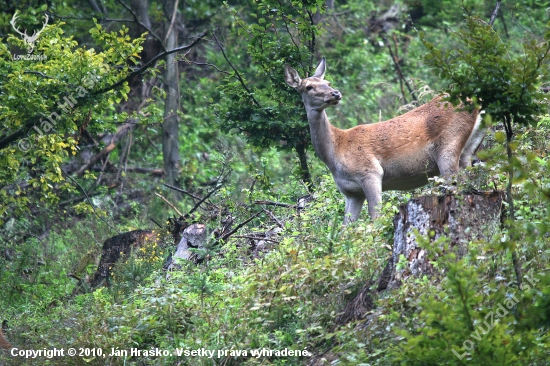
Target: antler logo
[{"x": 29, "y": 39}]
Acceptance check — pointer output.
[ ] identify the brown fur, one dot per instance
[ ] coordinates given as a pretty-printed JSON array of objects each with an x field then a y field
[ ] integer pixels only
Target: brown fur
[
  {"x": 4, "y": 344},
  {"x": 398, "y": 154}
]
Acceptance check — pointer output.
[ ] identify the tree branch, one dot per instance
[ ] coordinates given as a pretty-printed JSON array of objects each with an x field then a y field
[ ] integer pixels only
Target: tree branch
[
  {"x": 7, "y": 140},
  {"x": 225, "y": 236},
  {"x": 495, "y": 13},
  {"x": 142, "y": 69},
  {"x": 172, "y": 21},
  {"x": 107, "y": 150},
  {"x": 205, "y": 64},
  {"x": 169, "y": 204},
  {"x": 237, "y": 75},
  {"x": 90, "y": 201},
  {"x": 398, "y": 69},
  {"x": 141, "y": 24}
]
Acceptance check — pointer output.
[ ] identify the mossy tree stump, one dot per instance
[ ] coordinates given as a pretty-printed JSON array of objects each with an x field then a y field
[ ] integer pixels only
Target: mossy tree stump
[{"x": 463, "y": 218}]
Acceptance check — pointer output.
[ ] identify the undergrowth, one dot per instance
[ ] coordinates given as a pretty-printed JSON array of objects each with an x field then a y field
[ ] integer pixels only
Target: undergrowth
[{"x": 290, "y": 295}]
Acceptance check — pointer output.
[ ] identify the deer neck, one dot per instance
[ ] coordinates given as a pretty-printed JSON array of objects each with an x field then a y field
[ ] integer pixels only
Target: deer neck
[{"x": 323, "y": 136}]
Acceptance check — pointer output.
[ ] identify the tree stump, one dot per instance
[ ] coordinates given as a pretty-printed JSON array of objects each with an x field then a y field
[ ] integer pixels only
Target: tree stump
[{"x": 462, "y": 218}]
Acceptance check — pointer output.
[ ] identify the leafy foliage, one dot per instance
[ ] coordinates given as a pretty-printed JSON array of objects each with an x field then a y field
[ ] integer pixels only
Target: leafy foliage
[
  {"x": 266, "y": 110},
  {"x": 290, "y": 292},
  {"x": 59, "y": 96},
  {"x": 482, "y": 66}
]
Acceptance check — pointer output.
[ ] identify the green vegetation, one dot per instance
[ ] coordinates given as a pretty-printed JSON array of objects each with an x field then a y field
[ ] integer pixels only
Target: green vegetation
[{"x": 74, "y": 175}]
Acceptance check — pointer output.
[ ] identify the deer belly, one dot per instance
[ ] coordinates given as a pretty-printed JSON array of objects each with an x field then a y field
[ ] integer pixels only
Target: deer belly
[
  {"x": 409, "y": 173},
  {"x": 348, "y": 184}
]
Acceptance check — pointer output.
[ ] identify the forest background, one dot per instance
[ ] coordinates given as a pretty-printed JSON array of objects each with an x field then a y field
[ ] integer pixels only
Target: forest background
[{"x": 104, "y": 130}]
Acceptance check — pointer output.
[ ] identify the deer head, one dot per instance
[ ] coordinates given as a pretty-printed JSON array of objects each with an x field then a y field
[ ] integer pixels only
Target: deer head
[
  {"x": 29, "y": 39},
  {"x": 316, "y": 92}
]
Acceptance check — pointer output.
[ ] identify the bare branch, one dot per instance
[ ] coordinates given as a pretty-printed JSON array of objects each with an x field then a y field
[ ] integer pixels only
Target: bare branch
[
  {"x": 205, "y": 64},
  {"x": 94, "y": 6},
  {"x": 225, "y": 236},
  {"x": 279, "y": 223},
  {"x": 237, "y": 75},
  {"x": 271, "y": 203},
  {"x": 90, "y": 201},
  {"x": 255, "y": 238},
  {"x": 398, "y": 69},
  {"x": 169, "y": 204},
  {"x": 107, "y": 150},
  {"x": 101, "y": 20},
  {"x": 182, "y": 191},
  {"x": 141, "y": 24},
  {"x": 172, "y": 22}
]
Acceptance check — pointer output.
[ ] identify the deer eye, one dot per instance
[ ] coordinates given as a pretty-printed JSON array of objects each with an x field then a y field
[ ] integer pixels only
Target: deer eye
[{"x": 309, "y": 87}]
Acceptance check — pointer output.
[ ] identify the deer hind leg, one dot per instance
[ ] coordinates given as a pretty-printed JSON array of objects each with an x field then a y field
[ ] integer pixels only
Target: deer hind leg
[{"x": 476, "y": 137}]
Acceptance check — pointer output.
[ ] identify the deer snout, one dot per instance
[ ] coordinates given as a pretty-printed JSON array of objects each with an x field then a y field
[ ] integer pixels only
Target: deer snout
[{"x": 336, "y": 94}]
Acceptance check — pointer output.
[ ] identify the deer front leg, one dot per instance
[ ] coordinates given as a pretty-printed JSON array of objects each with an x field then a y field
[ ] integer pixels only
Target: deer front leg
[
  {"x": 372, "y": 186},
  {"x": 353, "y": 208}
]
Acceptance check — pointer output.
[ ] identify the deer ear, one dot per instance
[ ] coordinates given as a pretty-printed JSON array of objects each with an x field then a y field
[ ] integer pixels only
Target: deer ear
[
  {"x": 291, "y": 77},
  {"x": 321, "y": 68}
]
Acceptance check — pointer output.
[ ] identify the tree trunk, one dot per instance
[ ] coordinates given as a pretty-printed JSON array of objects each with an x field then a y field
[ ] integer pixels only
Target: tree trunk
[
  {"x": 462, "y": 218},
  {"x": 170, "y": 133},
  {"x": 141, "y": 8},
  {"x": 304, "y": 169}
]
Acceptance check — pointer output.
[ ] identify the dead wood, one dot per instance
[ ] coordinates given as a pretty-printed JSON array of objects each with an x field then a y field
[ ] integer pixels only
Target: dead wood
[
  {"x": 121, "y": 132},
  {"x": 169, "y": 203},
  {"x": 227, "y": 235},
  {"x": 271, "y": 203}
]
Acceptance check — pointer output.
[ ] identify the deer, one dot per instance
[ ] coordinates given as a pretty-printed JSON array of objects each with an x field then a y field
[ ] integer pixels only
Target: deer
[
  {"x": 29, "y": 39},
  {"x": 398, "y": 154},
  {"x": 4, "y": 344}
]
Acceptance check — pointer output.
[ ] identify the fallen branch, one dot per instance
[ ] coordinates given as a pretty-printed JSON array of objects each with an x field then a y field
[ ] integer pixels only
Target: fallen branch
[
  {"x": 271, "y": 203},
  {"x": 156, "y": 223},
  {"x": 279, "y": 223},
  {"x": 182, "y": 191},
  {"x": 255, "y": 238},
  {"x": 225, "y": 236},
  {"x": 121, "y": 132}
]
